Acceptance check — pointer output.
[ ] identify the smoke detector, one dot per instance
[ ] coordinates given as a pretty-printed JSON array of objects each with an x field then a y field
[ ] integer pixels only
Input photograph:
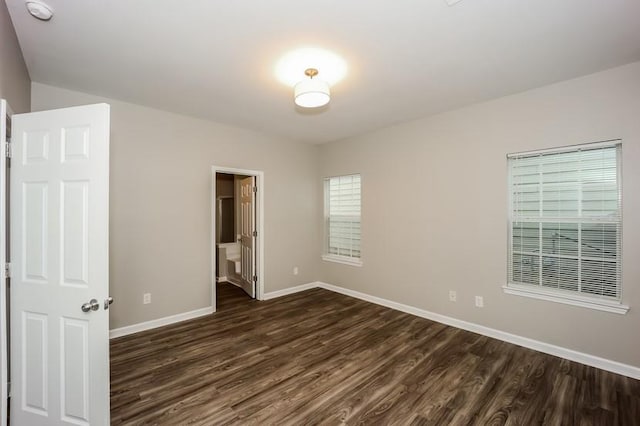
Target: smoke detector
[{"x": 39, "y": 10}]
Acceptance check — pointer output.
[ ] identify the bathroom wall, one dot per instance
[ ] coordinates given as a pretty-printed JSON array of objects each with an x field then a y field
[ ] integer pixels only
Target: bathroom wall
[{"x": 225, "y": 208}]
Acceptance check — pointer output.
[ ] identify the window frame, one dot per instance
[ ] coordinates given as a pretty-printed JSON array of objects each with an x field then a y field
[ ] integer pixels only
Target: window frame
[
  {"x": 331, "y": 257},
  {"x": 569, "y": 297}
]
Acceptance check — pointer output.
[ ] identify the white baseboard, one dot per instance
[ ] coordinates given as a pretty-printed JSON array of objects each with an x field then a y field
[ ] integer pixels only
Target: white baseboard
[
  {"x": 591, "y": 360},
  {"x": 570, "y": 354},
  {"x": 290, "y": 290},
  {"x": 148, "y": 325}
]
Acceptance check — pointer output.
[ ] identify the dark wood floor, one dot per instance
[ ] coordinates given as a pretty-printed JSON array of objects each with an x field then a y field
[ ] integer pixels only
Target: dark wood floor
[{"x": 319, "y": 357}]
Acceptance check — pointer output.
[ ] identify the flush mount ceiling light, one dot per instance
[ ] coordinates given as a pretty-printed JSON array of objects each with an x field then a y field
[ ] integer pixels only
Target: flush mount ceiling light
[
  {"x": 311, "y": 92},
  {"x": 39, "y": 10}
]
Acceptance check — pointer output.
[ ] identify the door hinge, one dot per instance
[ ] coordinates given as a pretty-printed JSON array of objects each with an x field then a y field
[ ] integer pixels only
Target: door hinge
[
  {"x": 7, "y": 148},
  {"x": 7, "y": 270},
  {"x": 255, "y": 189},
  {"x": 255, "y": 278},
  {"x": 255, "y": 233}
]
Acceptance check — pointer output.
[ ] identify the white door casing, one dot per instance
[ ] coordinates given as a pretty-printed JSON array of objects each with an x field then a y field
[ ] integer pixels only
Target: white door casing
[
  {"x": 60, "y": 260},
  {"x": 259, "y": 225},
  {"x": 247, "y": 234},
  {"x": 4, "y": 374}
]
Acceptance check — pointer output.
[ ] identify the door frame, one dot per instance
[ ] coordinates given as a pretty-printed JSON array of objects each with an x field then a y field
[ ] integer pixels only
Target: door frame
[
  {"x": 259, "y": 175},
  {"x": 5, "y": 110}
]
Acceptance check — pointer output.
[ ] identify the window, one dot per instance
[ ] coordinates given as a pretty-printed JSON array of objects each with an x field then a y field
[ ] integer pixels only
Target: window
[
  {"x": 342, "y": 219},
  {"x": 565, "y": 226}
]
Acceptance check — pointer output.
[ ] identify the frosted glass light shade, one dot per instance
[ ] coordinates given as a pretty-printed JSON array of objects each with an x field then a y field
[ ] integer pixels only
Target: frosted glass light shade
[{"x": 311, "y": 93}]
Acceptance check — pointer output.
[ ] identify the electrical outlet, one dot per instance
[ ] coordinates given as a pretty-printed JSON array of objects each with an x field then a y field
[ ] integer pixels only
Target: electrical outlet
[
  {"x": 453, "y": 297},
  {"x": 146, "y": 298},
  {"x": 295, "y": 270},
  {"x": 479, "y": 302}
]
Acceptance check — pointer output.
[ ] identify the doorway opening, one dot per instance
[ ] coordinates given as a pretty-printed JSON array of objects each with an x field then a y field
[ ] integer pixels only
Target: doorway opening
[{"x": 236, "y": 237}]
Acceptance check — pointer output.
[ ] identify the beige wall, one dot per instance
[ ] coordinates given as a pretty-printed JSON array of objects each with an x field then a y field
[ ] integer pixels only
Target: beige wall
[
  {"x": 15, "y": 85},
  {"x": 434, "y": 207},
  {"x": 448, "y": 174},
  {"x": 160, "y": 204}
]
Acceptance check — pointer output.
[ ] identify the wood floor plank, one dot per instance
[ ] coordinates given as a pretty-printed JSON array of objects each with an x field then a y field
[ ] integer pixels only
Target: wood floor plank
[{"x": 322, "y": 358}]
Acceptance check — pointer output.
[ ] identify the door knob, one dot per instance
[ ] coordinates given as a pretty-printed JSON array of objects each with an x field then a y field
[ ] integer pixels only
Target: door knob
[
  {"x": 91, "y": 305},
  {"x": 107, "y": 302}
]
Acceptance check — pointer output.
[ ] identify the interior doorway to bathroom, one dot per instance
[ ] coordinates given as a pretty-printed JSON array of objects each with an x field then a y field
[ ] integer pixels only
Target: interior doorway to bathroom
[
  {"x": 237, "y": 243},
  {"x": 235, "y": 230}
]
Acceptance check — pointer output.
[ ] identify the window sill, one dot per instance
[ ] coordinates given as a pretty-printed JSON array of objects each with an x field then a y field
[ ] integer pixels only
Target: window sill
[
  {"x": 342, "y": 259},
  {"x": 551, "y": 296}
]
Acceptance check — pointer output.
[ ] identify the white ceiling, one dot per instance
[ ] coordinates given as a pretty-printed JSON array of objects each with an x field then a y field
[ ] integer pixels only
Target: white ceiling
[{"x": 406, "y": 58}]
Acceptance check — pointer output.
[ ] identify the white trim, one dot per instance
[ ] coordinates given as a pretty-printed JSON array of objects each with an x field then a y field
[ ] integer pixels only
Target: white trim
[
  {"x": 160, "y": 322},
  {"x": 5, "y": 382},
  {"x": 569, "y": 299},
  {"x": 290, "y": 290},
  {"x": 570, "y": 354},
  {"x": 259, "y": 175},
  {"x": 345, "y": 260}
]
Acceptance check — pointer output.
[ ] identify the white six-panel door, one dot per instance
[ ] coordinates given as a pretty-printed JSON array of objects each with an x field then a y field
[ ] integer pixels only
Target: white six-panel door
[
  {"x": 247, "y": 234},
  {"x": 60, "y": 260}
]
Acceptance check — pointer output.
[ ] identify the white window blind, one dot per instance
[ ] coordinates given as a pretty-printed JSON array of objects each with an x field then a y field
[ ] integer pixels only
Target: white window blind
[
  {"x": 342, "y": 216},
  {"x": 565, "y": 221}
]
